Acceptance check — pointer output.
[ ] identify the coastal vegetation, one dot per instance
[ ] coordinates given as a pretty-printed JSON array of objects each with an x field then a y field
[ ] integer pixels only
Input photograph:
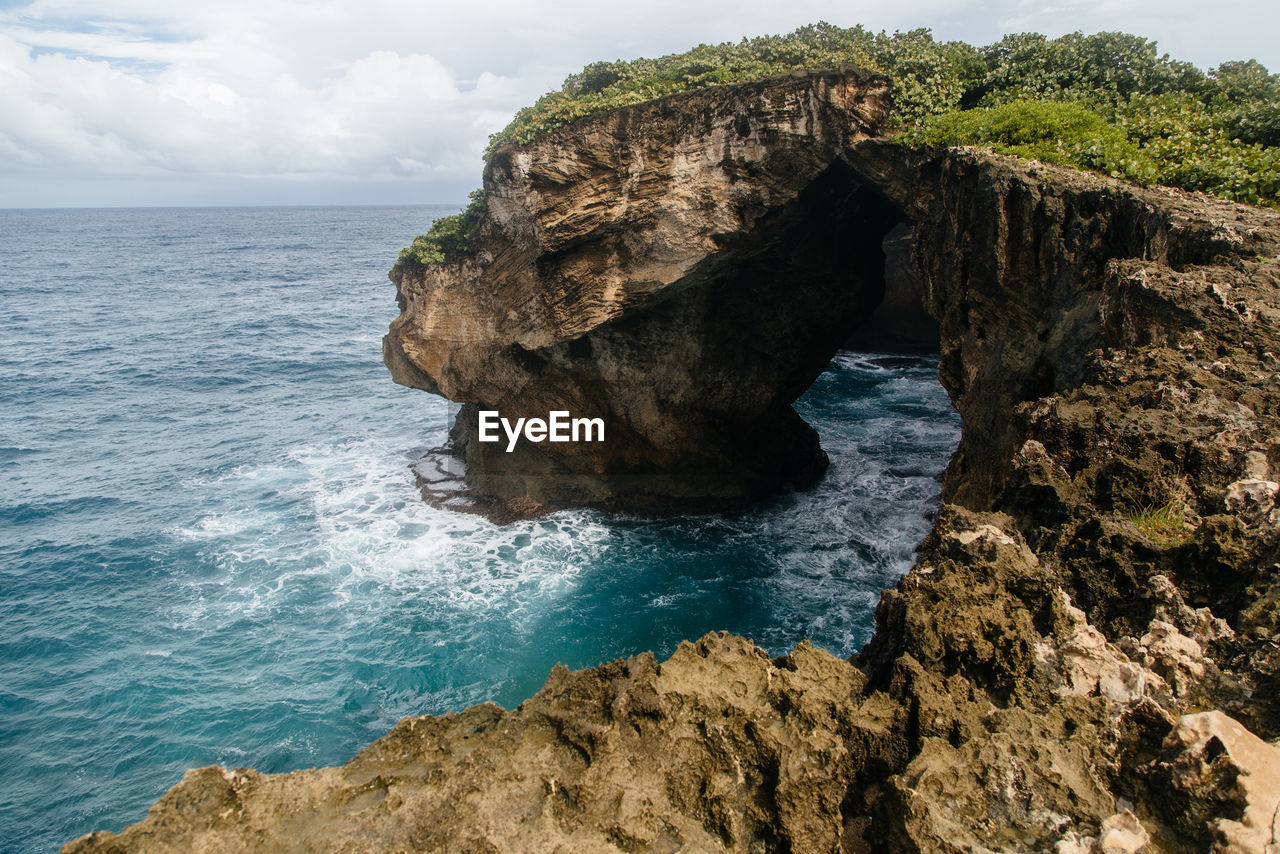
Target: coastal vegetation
[
  {"x": 1164, "y": 525},
  {"x": 1107, "y": 102},
  {"x": 448, "y": 236}
]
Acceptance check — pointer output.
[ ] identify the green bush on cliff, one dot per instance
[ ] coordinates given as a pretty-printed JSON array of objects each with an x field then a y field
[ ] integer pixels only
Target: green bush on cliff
[
  {"x": 929, "y": 75},
  {"x": 448, "y": 237},
  {"x": 1108, "y": 102},
  {"x": 1052, "y": 131},
  {"x": 1197, "y": 148},
  {"x": 1171, "y": 139},
  {"x": 1099, "y": 69},
  {"x": 1215, "y": 131}
]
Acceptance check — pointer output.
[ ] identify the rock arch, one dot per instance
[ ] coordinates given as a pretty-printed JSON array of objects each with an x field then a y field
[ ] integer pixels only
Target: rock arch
[{"x": 683, "y": 270}]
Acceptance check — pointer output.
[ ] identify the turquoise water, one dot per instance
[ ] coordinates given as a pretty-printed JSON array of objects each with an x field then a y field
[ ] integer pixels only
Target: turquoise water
[{"x": 212, "y": 549}]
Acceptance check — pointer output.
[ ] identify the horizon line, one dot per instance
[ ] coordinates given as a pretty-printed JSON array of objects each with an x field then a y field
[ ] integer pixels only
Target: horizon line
[{"x": 227, "y": 206}]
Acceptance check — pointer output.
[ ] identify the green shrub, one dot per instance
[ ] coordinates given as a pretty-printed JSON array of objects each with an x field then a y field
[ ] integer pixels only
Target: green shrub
[
  {"x": 928, "y": 75},
  {"x": 448, "y": 237},
  {"x": 1243, "y": 83},
  {"x": 1195, "y": 149},
  {"x": 1109, "y": 102},
  {"x": 1052, "y": 131},
  {"x": 1103, "y": 68},
  {"x": 1256, "y": 124}
]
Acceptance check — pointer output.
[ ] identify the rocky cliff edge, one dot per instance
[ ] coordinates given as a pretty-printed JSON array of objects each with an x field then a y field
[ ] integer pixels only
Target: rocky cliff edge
[{"x": 1085, "y": 657}]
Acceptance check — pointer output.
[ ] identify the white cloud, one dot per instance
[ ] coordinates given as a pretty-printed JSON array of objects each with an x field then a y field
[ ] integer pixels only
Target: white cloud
[
  {"x": 386, "y": 91},
  {"x": 370, "y": 112},
  {"x": 245, "y": 95}
]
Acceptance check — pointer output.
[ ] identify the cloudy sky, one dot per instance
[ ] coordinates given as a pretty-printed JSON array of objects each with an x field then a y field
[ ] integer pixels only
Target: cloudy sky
[{"x": 157, "y": 102}]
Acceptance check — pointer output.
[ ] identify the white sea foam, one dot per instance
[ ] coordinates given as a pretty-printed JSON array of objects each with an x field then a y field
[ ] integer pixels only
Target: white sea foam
[
  {"x": 347, "y": 532},
  {"x": 363, "y": 532}
]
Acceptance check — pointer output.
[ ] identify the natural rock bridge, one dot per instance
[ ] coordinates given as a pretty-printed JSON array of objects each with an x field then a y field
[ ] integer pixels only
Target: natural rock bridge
[{"x": 682, "y": 270}]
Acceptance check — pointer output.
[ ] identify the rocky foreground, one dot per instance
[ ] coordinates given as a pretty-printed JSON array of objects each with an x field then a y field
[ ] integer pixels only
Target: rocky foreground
[{"x": 1085, "y": 657}]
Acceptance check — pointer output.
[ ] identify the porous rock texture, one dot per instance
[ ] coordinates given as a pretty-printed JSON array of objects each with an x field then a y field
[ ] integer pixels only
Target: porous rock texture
[
  {"x": 1103, "y": 571},
  {"x": 719, "y": 747}
]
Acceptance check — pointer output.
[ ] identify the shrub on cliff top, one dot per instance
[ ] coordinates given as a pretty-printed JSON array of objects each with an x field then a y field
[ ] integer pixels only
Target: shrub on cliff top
[
  {"x": 448, "y": 237},
  {"x": 1052, "y": 131},
  {"x": 929, "y": 75},
  {"x": 1134, "y": 113},
  {"x": 1170, "y": 139},
  {"x": 1108, "y": 102},
  {"x": 1103, "y": 68},
  {"x": 1197, "y": 148}
]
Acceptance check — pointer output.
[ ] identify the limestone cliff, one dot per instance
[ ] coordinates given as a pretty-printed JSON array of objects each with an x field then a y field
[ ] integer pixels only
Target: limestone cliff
[
  {"x": 682, "y": 270},
  {"x": 1106, "y": 568}
]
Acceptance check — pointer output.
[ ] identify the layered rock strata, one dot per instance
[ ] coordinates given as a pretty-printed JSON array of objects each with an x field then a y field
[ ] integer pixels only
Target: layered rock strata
[
  {"x": 1085, "y": 657},
  {"x": 681, "y": 270}
]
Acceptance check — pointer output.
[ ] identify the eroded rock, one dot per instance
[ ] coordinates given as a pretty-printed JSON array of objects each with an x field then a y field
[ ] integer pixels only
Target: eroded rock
[
  {"x": 1120, "y": 834},
  {"x": 682, "y": 270},
  {"x": 1086, "y": 664},
  {"x": 1255, "y": 502},
  {"x": 1229, "y": 783},
  {"x": 716, "y": 749}
]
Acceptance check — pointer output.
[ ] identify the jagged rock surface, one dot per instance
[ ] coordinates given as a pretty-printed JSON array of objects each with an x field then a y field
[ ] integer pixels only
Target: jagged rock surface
[
  {"x": 718, "y": 748},
  {"x": 1113, "y": 351},
  {"x": 1229, "y": 780}
]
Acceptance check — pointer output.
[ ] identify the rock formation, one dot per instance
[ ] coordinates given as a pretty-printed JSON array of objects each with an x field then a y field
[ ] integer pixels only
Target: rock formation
[
  {"x": 717, "y": 747},
  {"x": 681, "y": 269},
  {"x": 1212, "y": 761},
  {"x": 1106, "y": 563}
]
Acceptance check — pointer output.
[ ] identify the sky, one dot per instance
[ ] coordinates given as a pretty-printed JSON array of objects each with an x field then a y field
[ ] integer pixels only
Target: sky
[{"x": 262, "y": 102}]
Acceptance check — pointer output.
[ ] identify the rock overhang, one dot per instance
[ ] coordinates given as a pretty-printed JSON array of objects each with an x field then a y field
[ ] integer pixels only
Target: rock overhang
[{"x": 681, "y": 269}]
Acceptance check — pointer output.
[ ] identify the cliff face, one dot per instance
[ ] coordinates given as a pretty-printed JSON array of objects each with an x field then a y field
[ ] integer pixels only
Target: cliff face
[
  {"x": 1104, "y": 570},
  {"x": 682, "y": 270},
  {"x": 1106, "y": 561}
]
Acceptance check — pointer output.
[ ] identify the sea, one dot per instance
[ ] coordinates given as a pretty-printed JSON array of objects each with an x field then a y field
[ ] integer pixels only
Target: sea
[{"x": 212, "y": 548}]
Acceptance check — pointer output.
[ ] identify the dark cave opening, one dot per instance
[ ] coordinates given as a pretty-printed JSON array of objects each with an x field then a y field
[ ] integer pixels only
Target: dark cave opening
[
  {"x": 698, "y": 384},
  {"x": 899, "y": 324}
]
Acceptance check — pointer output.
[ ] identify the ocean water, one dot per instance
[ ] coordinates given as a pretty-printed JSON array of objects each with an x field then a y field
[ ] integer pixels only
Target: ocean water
[{"x": 212, "y": 549}]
